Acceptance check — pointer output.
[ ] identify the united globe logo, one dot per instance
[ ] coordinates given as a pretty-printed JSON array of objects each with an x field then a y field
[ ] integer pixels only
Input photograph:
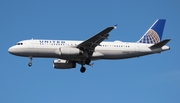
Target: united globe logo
[{"x": 151, "y": 37}]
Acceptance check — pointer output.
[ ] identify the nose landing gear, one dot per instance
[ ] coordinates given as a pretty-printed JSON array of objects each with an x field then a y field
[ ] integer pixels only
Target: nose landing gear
[{"x": 30, "y": 63}]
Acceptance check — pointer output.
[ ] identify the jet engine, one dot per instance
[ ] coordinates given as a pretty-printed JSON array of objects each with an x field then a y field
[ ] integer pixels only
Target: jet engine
[{"x": 63, "y": 64}]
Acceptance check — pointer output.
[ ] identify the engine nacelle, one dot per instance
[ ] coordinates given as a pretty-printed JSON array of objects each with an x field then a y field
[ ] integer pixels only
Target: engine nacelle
[
  {"x": 63, "y": 64},
  {"x": 69, "y": 51}
]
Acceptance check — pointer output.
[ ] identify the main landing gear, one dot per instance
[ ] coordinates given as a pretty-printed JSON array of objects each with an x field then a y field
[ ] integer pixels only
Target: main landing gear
[
  {"x": 87, "y": 62},
  {"x": 83, "y": 69},
  {"x": 30, "y": 63}
]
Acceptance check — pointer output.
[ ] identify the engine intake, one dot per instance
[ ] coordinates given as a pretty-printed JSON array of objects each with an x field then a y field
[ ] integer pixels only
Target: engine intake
[{"x": 63, "y": 64}]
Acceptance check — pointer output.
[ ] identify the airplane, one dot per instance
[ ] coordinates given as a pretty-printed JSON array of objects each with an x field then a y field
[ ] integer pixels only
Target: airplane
[{"x": 71, "y": 52}]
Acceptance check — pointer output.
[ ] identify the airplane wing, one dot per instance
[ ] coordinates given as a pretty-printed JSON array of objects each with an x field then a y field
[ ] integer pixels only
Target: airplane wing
[{"x": 91, "y": 43}]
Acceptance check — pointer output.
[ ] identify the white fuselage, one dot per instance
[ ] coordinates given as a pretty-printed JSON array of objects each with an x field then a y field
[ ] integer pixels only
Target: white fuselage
[{"x": 106, "y": 50}]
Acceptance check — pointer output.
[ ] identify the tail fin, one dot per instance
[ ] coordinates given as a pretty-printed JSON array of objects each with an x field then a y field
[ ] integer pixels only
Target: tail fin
[{"x": 154, "y": 33}]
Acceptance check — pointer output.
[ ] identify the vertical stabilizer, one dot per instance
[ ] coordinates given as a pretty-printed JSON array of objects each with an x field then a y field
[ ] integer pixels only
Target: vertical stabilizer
[{"x": 154, "y": 33}]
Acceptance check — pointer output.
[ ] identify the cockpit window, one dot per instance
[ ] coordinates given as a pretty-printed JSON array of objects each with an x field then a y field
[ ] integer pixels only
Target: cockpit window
[{"x": 19, "y": 44}]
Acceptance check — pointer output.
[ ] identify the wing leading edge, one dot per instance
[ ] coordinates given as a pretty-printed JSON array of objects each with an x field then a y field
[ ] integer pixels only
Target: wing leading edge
[{"x": 94, "y": 41}]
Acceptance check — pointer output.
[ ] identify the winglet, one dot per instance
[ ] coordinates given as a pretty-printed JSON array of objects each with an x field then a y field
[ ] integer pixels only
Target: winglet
[
  {"x": 115, "y": 26},
  {"x": 160, "y": 44}
]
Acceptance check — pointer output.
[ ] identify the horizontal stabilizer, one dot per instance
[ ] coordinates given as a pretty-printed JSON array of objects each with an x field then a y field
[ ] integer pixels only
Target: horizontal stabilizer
[{"x": 160, "y": 44}]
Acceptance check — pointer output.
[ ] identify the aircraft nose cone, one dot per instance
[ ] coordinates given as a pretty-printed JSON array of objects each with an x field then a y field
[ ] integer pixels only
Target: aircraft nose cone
[{"x": 11, "y": 50}]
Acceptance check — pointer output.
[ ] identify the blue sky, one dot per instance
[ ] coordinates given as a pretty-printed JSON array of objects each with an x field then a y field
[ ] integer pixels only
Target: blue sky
[{"x": 149, "y": 79}]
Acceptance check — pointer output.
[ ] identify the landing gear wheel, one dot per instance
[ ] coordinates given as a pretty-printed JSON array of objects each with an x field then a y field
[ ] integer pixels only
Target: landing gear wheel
[
  {"x": 29, "y": 64},
  {"x": 83, "y": 69}
]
